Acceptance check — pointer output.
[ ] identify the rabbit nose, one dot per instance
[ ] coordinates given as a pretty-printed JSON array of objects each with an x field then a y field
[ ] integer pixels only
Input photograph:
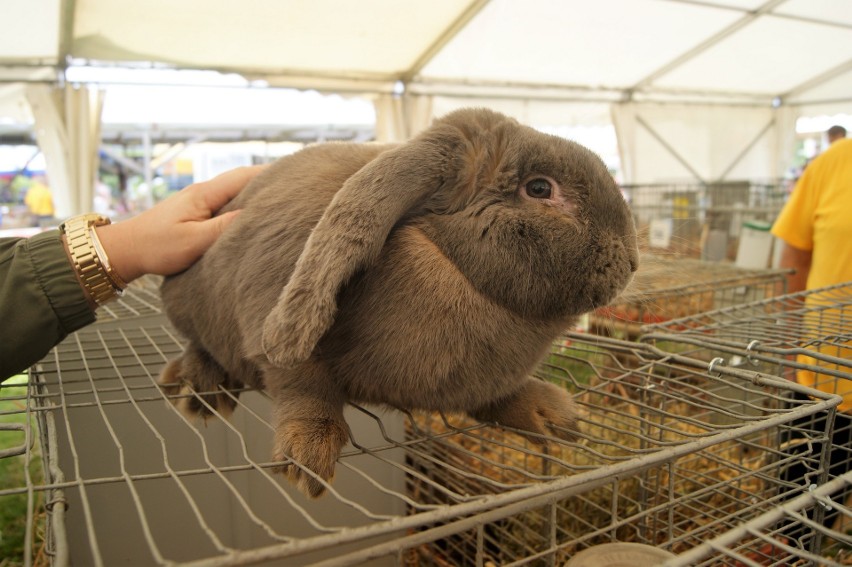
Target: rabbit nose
[
  {"x": 633, "y": 258},
  {"x": 628, "y": 250}
]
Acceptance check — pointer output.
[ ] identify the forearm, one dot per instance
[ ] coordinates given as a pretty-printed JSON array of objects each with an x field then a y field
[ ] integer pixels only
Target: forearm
[
  {"x": 41, "y": 300},
  {"x": 800, "y": 261}
]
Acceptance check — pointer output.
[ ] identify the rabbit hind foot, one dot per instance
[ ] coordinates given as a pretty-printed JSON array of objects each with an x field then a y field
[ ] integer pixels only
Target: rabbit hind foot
[
  {"x": 197, "y": 386},
  {"x": 309, "y": 448}
]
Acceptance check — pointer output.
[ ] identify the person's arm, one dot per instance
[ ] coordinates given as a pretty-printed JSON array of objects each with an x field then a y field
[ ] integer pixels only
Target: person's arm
[
  {"x": 800, "y": 261},
  {"x": 42, "y": 299}
]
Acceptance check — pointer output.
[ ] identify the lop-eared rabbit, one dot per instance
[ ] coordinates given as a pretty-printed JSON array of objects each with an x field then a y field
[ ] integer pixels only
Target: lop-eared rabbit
[{"x": 428, "y": 275}]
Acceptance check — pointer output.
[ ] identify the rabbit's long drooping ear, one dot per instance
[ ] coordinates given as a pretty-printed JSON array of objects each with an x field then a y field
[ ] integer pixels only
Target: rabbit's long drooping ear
[{"x": 352, "y": 232}]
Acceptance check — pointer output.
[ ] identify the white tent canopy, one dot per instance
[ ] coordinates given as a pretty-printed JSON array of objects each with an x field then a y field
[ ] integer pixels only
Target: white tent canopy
[{"x": 698, "y": 89}]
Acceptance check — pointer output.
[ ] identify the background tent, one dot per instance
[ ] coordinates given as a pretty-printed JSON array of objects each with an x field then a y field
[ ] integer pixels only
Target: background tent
[{"x": 700, "y": 90}]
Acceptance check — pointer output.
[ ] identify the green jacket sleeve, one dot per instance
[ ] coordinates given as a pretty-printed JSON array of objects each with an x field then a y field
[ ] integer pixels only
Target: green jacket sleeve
[{"x": 41, "y": 300}]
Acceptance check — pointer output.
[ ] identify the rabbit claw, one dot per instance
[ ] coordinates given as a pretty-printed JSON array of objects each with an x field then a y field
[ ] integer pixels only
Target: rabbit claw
[
  {"x": 309, "y": 448},
  {"x": 195, "y": 385},
  {"x": 540, "y": 409}
]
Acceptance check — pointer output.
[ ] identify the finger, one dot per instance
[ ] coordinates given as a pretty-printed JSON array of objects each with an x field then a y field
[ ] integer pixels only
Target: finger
[
  {"x": 212, "y": 229},
  {"x": 222, "y": 222},
  {"x": 224, "y": 187}
]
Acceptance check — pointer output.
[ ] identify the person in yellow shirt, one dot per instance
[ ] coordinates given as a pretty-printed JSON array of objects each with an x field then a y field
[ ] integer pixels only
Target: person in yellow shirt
[
  {"x": 39, "y": 201},
  {"x": 816, "y": 227},
  {"x": 836, "y": 133}
]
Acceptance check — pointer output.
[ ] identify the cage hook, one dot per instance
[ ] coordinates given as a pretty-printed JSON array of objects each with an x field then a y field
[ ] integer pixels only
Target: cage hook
[
  {"x": 819, "y": 499},
  {"x": 749, "y": 357},
  {"x": 716, "y": 361}
]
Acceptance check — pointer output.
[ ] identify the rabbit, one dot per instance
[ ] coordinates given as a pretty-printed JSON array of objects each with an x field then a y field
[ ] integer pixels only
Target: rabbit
[{"x": 428, "y": 275}]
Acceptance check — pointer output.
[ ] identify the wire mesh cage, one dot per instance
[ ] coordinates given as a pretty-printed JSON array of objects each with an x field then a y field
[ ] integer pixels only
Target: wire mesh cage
[
  {"x": 805, "y": 332},
  {"x": 770, "y": 539},
  {"x": 142, "y": 297},
  {"x": 667, "y": 288},
  {"x": 669, "y": 453},
  {"x": 805, "y": 337},
  {"x": 701, "y": 220}
]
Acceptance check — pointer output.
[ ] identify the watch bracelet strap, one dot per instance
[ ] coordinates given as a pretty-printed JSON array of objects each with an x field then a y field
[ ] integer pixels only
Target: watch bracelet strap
[
  {"x": 113, "y": 276},
  {"x": 90, "y": 266}
]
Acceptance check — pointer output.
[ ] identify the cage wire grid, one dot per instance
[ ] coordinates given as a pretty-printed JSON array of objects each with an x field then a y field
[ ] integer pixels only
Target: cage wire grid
[
  {"x": 663, "y": 441},
  {"x": 669, "y": 288},
  {"x": 142, "y": 297},
  {"x": 772, "y": 529},
  {"x": 705, "y": 220},
  {"x": 697, "y": 481},
  {"x": 809, "y": 330},
  {"x": 805, "y": 337}
]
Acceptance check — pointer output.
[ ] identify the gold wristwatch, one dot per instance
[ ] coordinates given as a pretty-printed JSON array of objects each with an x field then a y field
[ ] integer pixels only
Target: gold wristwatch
[{"x": 90, "y": 261}]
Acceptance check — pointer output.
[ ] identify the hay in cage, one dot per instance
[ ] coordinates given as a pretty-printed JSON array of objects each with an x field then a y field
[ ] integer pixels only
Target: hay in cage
[{"x": 668, "y": 453}]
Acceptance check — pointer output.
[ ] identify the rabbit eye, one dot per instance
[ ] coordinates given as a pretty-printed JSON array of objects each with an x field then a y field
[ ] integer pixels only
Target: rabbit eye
[{"x": 539, "y": 188}]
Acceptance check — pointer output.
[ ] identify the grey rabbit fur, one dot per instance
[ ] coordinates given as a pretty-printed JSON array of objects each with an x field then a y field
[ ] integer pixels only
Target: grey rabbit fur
[{"x": 428, "y": 275}]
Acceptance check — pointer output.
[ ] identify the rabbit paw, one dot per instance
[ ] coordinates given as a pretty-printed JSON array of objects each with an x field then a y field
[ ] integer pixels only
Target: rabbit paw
[
  {"x": 540, "y": 408},
  {"x": 194, "y": 385},
  {"x": 310, "y": 444}
]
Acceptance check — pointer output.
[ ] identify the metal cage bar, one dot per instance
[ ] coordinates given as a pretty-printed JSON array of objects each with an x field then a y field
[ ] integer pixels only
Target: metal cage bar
[
  {"x": 766, "y": 537},
  {"x": 816, "y": 324}
]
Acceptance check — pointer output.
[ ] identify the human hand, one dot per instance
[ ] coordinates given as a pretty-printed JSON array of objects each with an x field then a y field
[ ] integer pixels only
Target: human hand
[{"x": 171, "y": 236}]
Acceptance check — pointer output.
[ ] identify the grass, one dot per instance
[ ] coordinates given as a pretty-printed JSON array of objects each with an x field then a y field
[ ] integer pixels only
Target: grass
[
  {"x": 573, "y": 366},
  {"x": 13, "y": 508}
]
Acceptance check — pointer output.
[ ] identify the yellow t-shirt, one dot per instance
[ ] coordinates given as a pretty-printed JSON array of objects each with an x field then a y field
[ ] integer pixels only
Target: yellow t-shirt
[{"x": 818, "y": 217}]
